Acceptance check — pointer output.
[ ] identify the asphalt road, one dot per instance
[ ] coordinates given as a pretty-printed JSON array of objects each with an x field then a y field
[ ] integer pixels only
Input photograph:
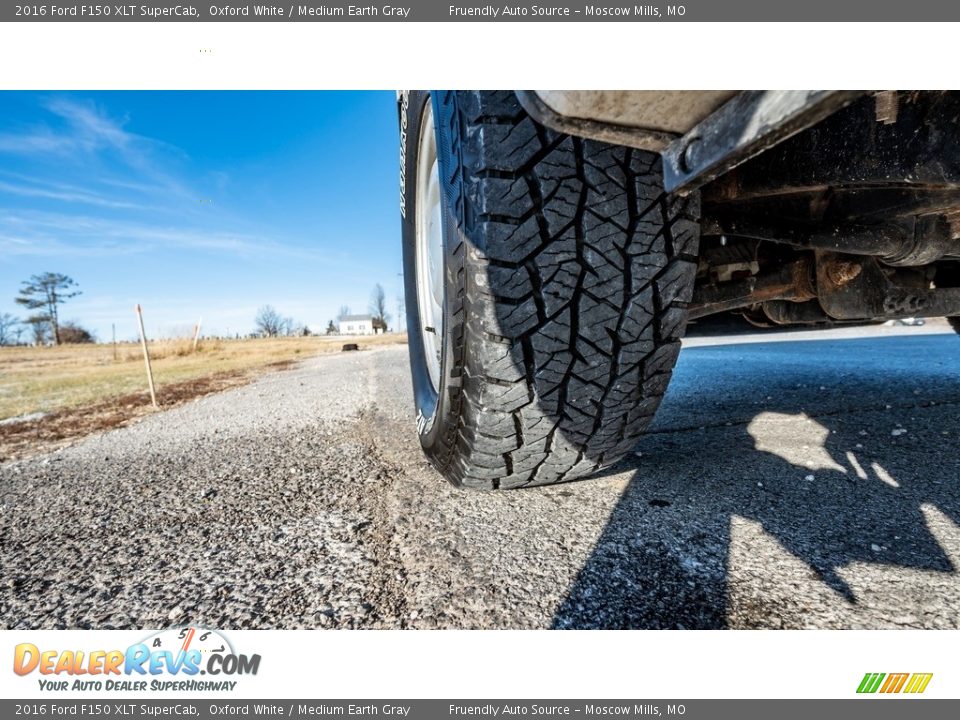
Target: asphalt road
[{"x": 793, "y": 482}]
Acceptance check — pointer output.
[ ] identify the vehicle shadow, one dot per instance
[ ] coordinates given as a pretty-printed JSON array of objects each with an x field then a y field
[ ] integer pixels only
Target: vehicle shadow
[{"x": 835, "y": 453}]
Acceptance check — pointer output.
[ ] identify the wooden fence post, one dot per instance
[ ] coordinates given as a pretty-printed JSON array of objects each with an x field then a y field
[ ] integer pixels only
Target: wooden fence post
[
  {"x": 146, "y": 355},
  {"x": 196, "y": 334}
]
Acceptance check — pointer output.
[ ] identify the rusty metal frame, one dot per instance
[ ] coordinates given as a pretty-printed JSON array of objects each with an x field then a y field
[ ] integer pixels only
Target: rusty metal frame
[{"x": 745, "y": 126}]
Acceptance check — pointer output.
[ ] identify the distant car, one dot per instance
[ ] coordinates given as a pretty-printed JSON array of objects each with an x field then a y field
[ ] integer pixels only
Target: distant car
[{"x": 556, "y": 244}]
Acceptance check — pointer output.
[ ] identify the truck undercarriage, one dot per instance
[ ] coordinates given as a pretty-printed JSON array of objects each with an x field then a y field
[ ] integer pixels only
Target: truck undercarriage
[{"x": 817, "y": 207}]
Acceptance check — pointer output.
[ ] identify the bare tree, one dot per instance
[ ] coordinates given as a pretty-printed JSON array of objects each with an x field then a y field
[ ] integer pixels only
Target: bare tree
[
  {"x": 8, "y": 325},
  {"x": 294, "y": 328},
  {"x": 39, "y": 328},
  {"x": 378, "y": 308},
  {"x": 344, "y": 311},
  {"x": 269, "y": 322},
  {"x": 45, "y": 292}
]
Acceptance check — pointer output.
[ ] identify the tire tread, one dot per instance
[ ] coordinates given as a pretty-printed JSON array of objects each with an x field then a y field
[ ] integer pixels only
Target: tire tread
[{"x": 577, "y": 270}]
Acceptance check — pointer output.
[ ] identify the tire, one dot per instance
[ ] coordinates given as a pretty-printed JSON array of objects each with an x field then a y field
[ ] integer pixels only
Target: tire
[
  {"x": 948, "y": 275},
  {"x": 567, "y": 271}
]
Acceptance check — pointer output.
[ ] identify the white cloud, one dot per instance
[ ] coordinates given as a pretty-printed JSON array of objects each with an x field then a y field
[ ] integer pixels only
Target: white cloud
[
  {"x": 46, "y": 234},
  {"x": 88, "y": 130},
  {"x": 64, "y": 193},
  {"x": 92, "y": 128}
]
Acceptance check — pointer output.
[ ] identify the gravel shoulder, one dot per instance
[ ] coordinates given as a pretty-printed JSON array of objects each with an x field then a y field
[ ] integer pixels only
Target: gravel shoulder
[{"x": 797, "y": 483}]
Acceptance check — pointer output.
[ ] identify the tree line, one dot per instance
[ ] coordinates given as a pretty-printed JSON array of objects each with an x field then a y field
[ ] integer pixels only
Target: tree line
[
  {"x": 271, "y": 323},
  {"x": 42, "y": 295}
]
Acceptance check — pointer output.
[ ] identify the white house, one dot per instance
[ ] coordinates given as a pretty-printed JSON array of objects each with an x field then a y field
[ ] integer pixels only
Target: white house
[{"x": 355, "y": 325}]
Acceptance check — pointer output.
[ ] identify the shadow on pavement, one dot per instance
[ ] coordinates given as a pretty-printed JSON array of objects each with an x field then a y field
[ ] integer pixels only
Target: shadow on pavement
[{"x": 839, "y": 449}]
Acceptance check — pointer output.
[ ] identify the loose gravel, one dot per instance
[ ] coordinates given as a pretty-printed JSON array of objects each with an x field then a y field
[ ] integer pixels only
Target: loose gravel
[{"x": 789, "y": 484}]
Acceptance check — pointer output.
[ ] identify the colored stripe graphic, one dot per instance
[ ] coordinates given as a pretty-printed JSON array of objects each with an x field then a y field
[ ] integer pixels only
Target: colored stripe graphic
[
  {"x": 870, "y": 682},
  {"x": 918, "y": 682},
  {"x": 894, "y": 683}
]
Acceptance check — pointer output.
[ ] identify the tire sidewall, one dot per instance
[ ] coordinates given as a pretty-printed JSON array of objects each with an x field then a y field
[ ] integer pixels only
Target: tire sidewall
[{"x": 435, "y": 408}]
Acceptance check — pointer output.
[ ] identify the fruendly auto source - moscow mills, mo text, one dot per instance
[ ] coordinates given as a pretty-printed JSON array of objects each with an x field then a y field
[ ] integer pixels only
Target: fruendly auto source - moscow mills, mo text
[{"x": 492, "y": 12}]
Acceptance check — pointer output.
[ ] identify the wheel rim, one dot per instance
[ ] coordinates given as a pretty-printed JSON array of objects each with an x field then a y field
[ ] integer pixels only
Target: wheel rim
[{"x": 429, "y": 255}]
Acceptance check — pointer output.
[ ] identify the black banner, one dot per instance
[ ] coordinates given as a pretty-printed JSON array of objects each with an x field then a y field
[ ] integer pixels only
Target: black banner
[
  {"x": 874, "y": 708},
  {"x": 523, "y": 11}
]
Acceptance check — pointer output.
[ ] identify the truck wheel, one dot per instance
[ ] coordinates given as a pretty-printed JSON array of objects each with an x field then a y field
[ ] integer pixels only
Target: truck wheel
[
  {"x": 546, "y": 280},
  {"x": 948, "y": 275}
]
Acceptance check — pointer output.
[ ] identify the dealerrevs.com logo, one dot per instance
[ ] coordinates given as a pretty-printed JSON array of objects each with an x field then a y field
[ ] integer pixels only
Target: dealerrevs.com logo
[
  {"x": 170, "y": 660},
  {"x": 891, "y": 683}
]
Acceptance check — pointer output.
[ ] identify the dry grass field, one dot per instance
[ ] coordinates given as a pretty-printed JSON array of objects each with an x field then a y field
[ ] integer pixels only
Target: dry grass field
[
  {"x": 49, "y": 394},
  {"x": 47, "y": 379}
]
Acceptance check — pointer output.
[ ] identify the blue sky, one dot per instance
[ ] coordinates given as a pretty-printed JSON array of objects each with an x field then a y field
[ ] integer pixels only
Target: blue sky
[{"x": 200, "y": 204}]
